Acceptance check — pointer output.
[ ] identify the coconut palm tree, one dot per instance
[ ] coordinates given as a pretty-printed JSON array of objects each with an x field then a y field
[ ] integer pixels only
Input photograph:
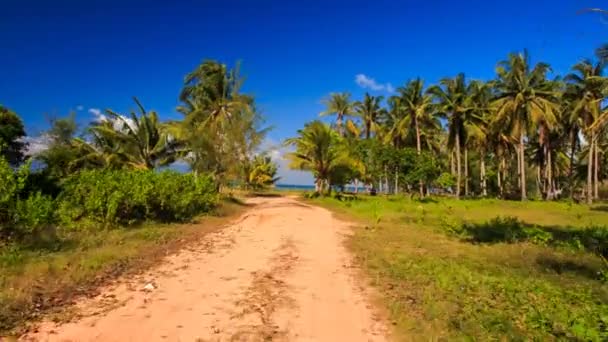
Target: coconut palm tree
[
  {"x": 524, "y": 101},
  {"x": 451, "y": 102},
  {"x": 586, "y": 89},
  {"x": 476, "y": 126},
  {"x": 318, "y": 149},
  {"x": 415, "y": 107},
  {"x": 370, "y": 112},
  {"x": 211, "y": 93},
  {"x": 143, "y": 142},
  {"x": 340, "y": 105}
]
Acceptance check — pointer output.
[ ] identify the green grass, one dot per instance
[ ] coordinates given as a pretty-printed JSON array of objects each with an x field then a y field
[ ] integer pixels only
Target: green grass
[
  {"x": 447, "y": 270},
  {"x": 41, "y": 279}
]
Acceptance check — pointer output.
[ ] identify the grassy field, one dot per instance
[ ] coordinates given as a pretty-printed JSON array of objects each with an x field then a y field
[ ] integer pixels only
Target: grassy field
[
  {"x": 484, "y": 269},
  {"x": 42, "y": 279}
]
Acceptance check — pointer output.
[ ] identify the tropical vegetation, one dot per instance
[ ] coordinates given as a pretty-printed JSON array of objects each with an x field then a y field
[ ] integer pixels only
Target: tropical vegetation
[
  {"x": 526, "y": 133},
  {"x": 79, "y": 186}
]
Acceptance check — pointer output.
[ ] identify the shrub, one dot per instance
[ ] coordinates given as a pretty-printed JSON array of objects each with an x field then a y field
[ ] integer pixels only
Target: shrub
[
  {"x": 21, "y": 214},
  {"x": 128, "y": 197},
  {"x": 33, "y": 214}
]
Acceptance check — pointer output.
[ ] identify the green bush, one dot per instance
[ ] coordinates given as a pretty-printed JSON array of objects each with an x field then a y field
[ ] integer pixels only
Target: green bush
[
  {"x": 33, "y": 214},
  {"x": 128, "y": 197},
  {"x": 21, "y": 214}
]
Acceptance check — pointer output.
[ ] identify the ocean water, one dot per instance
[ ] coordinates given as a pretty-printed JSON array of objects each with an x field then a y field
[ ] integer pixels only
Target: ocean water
[
  {"x": 348, "y": 188},
  {"x": 294, "y": 187}
]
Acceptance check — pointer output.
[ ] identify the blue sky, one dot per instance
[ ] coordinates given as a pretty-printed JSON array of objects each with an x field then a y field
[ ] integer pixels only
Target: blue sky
[{"x": 70, "y": 54}]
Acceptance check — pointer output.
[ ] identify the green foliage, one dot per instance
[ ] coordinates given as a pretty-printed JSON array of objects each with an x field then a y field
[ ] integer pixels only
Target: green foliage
[
  {"x": 33, "y": 215},
  {"x": 11, "y": 133},
  {"x": 128, "y": 197},
  {"x": 445, "y": 180},
  {"x": 323, "y": 152},
  {"x": 261, "y": 173},
  {"x": 139, "y": 140},
  {"x": 21, "y": 214}
]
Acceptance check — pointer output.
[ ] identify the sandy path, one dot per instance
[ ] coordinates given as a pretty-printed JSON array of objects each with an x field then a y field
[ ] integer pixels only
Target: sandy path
[{"x": 279, "y": 273}]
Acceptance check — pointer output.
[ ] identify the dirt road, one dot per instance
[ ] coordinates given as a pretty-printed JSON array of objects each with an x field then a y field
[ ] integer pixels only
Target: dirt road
[{"x": 279, "y": 273}]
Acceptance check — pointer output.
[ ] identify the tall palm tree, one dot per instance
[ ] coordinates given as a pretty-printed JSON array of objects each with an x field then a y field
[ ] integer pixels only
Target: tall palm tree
[
  {"x": 211, "y": 93},
  {"x": 340, "y": 105},
  {"x": 318, "y": 149},
  {"x": 451, "y": 102},
  {"x": 525, "y": 100},
  {"x": 415, "y": 105},
  {"x": 143, "y": 142},
  {"x": 476, "y": 125},
  {"x": 370, "y": 112},
  {"x": 587, "y": 88}
]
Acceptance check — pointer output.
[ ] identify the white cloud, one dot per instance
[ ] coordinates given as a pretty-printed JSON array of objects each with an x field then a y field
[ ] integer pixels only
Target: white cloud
[
  {"x": 80, "y": 108},
  {"x": 35, "y": 145},
  {"x": 97, "y": 114},
  {"x": 367, "y": 82}
]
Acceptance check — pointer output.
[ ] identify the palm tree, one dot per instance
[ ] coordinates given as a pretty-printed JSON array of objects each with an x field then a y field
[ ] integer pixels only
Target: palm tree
[
  {"x": 369, "y": 111},
  {"x": 476, "y": 125},
  {"x": 340, "y": 105},
  {"x": 261, "y": 172},
  {"x": 525, "y": 100},
  {"x": 586, "y": 88},
  {"x": 318, "y": 149},
  {"x": 211, "y": 93},
  {"x": 417, "y": 115},
  {"x": 143, "y": 142},
  {"x": 451, "y": 102}
]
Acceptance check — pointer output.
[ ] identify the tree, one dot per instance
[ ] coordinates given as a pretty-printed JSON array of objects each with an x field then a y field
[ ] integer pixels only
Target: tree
[
  {"x": 142, "y": 140},
  {"x": 340, "y": 105},
  {"x": 586, "y": 88},
  {"x": 418, "y": 114},
  {"x": 525, "y": 100},
  {"x": 222, "y": 127},
  {"x": 320, "y": 150},
  {"x": 60, "y": 152},
  {"x": 451, "y": 102},
  {"x": 261, "y": 173},
  {"x": 370, "y": 112},
  {"x": 476, "y": 125},
  {"x": 211, "y": 93},
  {"x": 12, "y": 133}
]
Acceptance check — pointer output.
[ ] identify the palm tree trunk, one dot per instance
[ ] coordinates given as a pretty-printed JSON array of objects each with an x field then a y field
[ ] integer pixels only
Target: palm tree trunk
[
  {"x": 539, "y": 181},
  {"x": 339, "y": 123},
  {"x": 590, "y": 171},
  {"x": 452, "y": 163},
  {"x": 458, "y": 169},
  {"x": 466, "y": 171},
  {"x": 482, "y": 175},
  {"x": 547, "y": 186},
  {"x": 499, "y": 177},
  {"x": 522, "y": 166},
  {"x": 596, "y": 168},
  {"x": 396, "y": 180},
  {"x": 356, "y": 186},
  {"x": 571, "y": 170},
  {"x": 518, "y": 167},
  {"x": 418, "y": 150}
]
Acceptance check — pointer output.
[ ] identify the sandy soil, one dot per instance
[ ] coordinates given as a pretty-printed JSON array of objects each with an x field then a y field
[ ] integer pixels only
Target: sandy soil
[{"x": 279, "y": 273}]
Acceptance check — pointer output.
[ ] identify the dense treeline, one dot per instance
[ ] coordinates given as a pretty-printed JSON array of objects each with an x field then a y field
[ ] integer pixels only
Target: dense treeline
[
  {"x": 108, "y": 173},
  {"x": 520, "y": 134}
]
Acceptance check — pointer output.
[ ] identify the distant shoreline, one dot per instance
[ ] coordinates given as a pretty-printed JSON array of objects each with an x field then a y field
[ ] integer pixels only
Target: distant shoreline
[{"x": 310, "y": 187}]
